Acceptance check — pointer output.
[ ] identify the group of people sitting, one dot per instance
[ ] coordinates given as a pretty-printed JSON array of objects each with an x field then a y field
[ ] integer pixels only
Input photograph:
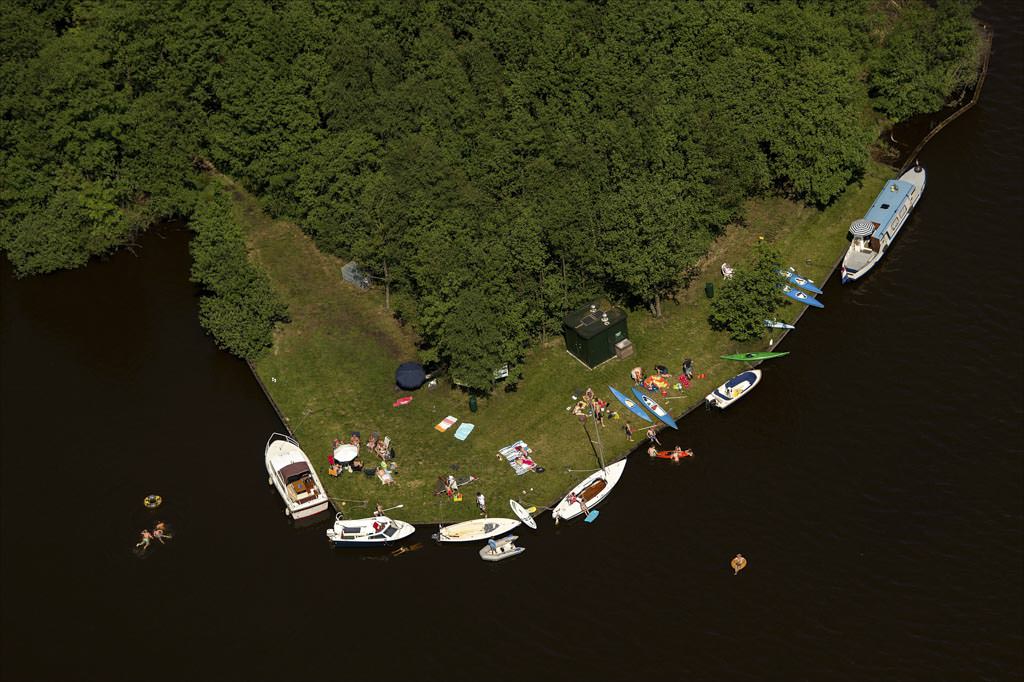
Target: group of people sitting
[
  {"x": 381, "y": 447},
  {"x": 591, "y": 405}
]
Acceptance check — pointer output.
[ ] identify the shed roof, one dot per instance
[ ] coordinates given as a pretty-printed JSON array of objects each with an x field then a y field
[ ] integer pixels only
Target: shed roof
[{"x": 588, "y": 321}]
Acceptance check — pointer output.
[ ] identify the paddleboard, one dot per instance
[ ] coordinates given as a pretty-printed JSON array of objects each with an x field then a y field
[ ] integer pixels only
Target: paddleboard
[
  {"x": 591, "y": 517},
  {"x": 523, "y": 514},
  {"x": 795, "y": 279},
  {"x": 801, "y": 297},
  {"x": 775, "y": 324},
  {"x": 654, "y": 407},
  {"x": 754, "y": 357},
  {"x": 632, "y": 406}
]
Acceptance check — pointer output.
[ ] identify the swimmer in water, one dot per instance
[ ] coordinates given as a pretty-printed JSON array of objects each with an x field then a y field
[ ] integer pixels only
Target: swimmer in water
[
  {"x": 147, "y": 537},
  {"x": 160, "y": 532}
]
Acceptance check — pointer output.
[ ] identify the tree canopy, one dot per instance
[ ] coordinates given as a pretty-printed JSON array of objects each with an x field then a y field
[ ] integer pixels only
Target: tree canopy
[{"x": 494, "y": 163}]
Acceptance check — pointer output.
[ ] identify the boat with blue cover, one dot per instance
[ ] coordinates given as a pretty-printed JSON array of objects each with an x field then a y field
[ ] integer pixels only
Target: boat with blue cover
[
  {"x": 734, "y": 389},
  {"x": 872, "y": 235},
  {"x": 632, "y": 406},
  {"x": 800, "y": 296}
]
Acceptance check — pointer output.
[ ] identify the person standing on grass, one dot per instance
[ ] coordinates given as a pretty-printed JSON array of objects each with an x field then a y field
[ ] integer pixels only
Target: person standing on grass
[
  {"x": 628, "y": 428},
  {"x": 482, "y": 503}
]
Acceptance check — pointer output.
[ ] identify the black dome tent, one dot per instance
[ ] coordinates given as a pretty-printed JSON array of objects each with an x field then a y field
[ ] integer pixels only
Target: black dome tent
[{"x": 410, "y": 376}]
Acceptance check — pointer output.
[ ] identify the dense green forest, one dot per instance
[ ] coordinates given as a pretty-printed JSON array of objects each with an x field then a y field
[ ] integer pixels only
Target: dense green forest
[{"x": 491, "y": 163}]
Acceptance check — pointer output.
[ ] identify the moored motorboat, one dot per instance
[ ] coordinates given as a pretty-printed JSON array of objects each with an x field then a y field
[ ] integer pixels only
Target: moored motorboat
[
  {"x": 872, "y": 235},
  {"x": 501, "y": 549},
  {"x": 630, "y": 405},
  {"x": 734, "y": 389},
  {"x": 372, "y": 532},
  {"x": 475, "y": 530},
  {"x": 655, "y": 408},
  {"x": 754, "y": 357},
  {"x": 294, "y": 477},
  {"x": 800, "y": 296},
  {"x": 589, "y": 492}
]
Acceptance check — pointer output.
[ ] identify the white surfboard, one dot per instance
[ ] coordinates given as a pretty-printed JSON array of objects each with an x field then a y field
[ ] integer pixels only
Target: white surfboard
[{"x": 523, "y": 515}]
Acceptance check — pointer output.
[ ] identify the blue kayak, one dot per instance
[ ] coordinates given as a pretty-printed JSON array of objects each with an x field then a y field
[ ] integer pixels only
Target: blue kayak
[
  {"x": 654, "y": 407},
  {"x": 800, "y": 296},
  {"x": 795, "y": 279},
  {"x": 633, "y": 407}
]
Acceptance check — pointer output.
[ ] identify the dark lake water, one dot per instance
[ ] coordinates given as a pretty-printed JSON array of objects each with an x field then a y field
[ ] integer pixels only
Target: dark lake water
[{"x": 874, "y": 481}]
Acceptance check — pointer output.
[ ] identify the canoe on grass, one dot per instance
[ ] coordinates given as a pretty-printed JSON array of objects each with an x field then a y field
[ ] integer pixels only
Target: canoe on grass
[
  {"x": 633, "y": 407},
  {"x": 654, "y": 407},
  {"x": 591, "y": 491},
  {"x": 754, "y": 357},
  {"x": 800, "y": 296},
  {"x": 775, "y": 324},
  {"x": 806, "y": 284}
]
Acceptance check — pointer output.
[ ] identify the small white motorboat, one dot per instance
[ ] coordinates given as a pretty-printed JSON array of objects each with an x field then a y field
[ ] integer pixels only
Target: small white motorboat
[
  {"x": 371, "y": 532},
  {"x": 589, "y": 492},
  {"x": 734, "y": 389},
  {"x": 294, "y": 477},
  {"x": 475, "y": 530},
  {"x": 501, "y": 549}
]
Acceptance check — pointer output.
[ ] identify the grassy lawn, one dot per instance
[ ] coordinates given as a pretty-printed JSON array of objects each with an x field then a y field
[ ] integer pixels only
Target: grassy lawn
[{"x": 331, "y": 370}]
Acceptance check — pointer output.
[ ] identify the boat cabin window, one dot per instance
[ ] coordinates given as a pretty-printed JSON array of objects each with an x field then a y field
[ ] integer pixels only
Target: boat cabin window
[{"x": 885, "y": 206}]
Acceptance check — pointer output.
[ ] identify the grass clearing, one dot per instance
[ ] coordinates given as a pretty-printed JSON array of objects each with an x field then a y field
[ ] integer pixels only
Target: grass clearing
[{"x": 331, "y": 370}]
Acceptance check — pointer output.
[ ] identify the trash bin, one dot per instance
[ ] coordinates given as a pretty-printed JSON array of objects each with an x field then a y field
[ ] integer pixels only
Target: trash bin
[
  {"x": 709, "y": 289},
  {"x": 472, "y": 403}
]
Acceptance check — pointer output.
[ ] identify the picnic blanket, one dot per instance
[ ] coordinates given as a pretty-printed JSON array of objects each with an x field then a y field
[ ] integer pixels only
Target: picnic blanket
[
  {"x": 517, "y": 449},
  {"x": 464, "y": 430},
  {"x": 446, "y": 423}
]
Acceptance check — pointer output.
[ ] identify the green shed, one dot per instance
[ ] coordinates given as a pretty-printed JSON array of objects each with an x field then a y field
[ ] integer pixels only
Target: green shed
[{"x": 593, "y": 332}]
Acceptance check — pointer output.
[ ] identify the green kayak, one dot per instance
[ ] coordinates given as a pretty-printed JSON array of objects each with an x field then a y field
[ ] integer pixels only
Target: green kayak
[{"x": 754, "y": 357}]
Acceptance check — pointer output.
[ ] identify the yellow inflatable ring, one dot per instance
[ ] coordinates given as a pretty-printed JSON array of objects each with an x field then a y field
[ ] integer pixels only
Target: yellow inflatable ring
[{"x": 152, "y": 501}]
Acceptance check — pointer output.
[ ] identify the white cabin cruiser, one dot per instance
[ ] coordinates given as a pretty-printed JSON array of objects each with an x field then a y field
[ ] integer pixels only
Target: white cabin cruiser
[
  {"x": 371, "y": 532},
  {"x": 294, "y": 477},
  {"x": 872, "y": 235}
]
